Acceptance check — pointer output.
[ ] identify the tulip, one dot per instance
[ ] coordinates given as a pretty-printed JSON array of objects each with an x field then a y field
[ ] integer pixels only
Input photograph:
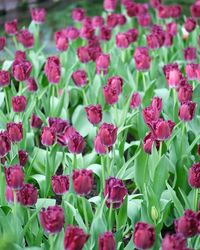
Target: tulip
[
  {"x": 31, "y": 84},
  {"x": 27, "y": 195},
  {"x": 102, "y": 63},
  {"x": 38, "y": 15},
  {"x": 115, "y": 82},
  {"x": 97, "y": 21},
  {"x": 4, "y": 78},
  {"x": 52, "y": 219},
  {"x": 94, "y": 113},
  {"x": 150, "y": 114},
  {"x": 74, "y": 238},
  {"x": 20, "y": 55},
  {"x": 191, "y": 71},
  {"x": 110, "y": 94},
  {"x": 194, "y": 175},
  {"x": 53, "y": 69},
  {"x": 25, "y": 38},
  {"x": 112, "y": 20},
  {"x": 135, "y": 100},
  {"x": 115, "y": 191},
  {"x": 149, "y": 140},
  {"x": 98, "y": 146},
  {"x": 48, "y": 136},
  {"x": 11, "y": 27},
  {"x": 131, "y": 9},
  {"x": 61, "y": 41},
  {"x": 78, "y": 14},
  {"x": 144, "y": 235},
  {"x": 144, "y": 20},
  {"x": 174, "y": 241},
  {"x": 64, "y": 138},
  {"x": 2, "y": 42},
  {"x": 21, "y": 69},
  {"x": 142, "y": 59},
  {"x": 121, "y": 19},
  {"x": 162, "y": 129},
  {"x": 132, "y": 35},
  {"x": 155, "y": 3},
  {"x": 190, "y": 24},
  {"x": 105, "y": 33},
  {"x": 87, "y": 32},
  {"x": 19, "y": 103},
  {"x": 10, "y": 195},
  {"x": 60, "y": 184},
  {"x": 122, "y": 40},
  {"x": 195, "y": 10},
  {"x": 173, "y": 75},
  {"x": 109, "y": 5},
  {"x": 72, "y": 33},
  {"x": 106, "y": 241},
  {"x": 5, "y": 144},
  {"x": 83, "y": 181},
  {"x": 171, "y": 28},
  {"x": 185, "y": 93},
  {"x": 35, "y": 122},
  {"x": 168, "y": 40},
  {"x": 23, "y": 157},
  {"x": 15, "y": 131},
  {"x": 190, "y": 54},
  {"x": 107, "y": 134},
  {"x": 76, "y": 143},
  {"x": 186, "y": 111},
  {"x": 14, "y": 177},
  {"x": 58, "y": 124},
  {"x": 83, "y": 54},
  {"x": 79, "y": 78}
]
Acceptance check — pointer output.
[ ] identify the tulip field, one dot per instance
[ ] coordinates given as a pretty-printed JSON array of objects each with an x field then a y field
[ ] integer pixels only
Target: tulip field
[{"x": 100, "y": 136}]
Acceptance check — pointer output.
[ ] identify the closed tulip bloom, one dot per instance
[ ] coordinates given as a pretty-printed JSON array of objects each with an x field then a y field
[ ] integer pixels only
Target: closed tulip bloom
[
  {"x": 155, "y": 3},
  {"x": 171, "y": 28},
  {"x": 83, "y": 54},
  {"x": 52, "y": 219},
  {"x": 112, "y": 20},
  {"x": 2, "y": 42},
  {"x": 190, "y": 54},
  {"x": 131, "y": 9},
  {"x": 79, "y": 78},
  {"x": 168, "y": 40},
  {"x": 97, "y": 21},
  {"x": 10, "y": 194},
  {"x": 99, "y": 147},
  {"x": 163, "y": 129},
  {"x": 48, "y": 136},
  {"x": 20, "y": 55},
  {"x": 74, "y": 238},
  {"x": 27, "y": 195},
  {"x": 19, "y": 103},
  {"x": 122, "y": 40},
  {"x": 15, "y": 131},
  {"x": 106, "y": 241},
  {"x": 11, "y": 27},
  {"x": 35, "y": 122},
  {"x": 76, "y": 143},
  {"x": 150, "y": 114},
  {"x": 25, "y": 38},
  {"x": 4, "y": 78},
  {"x": 185, "y": 93},
  {"x": 58, "y": 124},
  {"x": 132, "y": 35},
  {"x": 78, "y": 14},
  {"x": 191, "y": 71},
  {"x": 14, "y": 177},
  {"x": 53, "y": 69},
  {"x": 23, "y": 157},
  {"x": 38, "y": 15},
  {"x": 174, "y": 241},
  {"x": 115, "y": 191},
  {"x": 105, "y": 33},
  {"x": 87, "y": 21},
  {"x": 156, "y": 103},
  {"x": 121, "y": 19},
  {"x": 21, "y": 70},
  {"x": 144, "y": 20},
  {"x": 31, "y": 84},
  {"x": 60, "y": 184},
  {"x": 144, "y": 235},
  {"x": 190, "y": 24},
  {"x": 142, "y": 58},
  {"x": 5, "y": 144},
  {"x": 135, "y": 100},
  {"x": 61, "y": 41},
  {"x": 83, "y": 181},
  {"x": 194, "y": 175},
  {"x": 195, "y": 9},
  {"x": 173, "y": 75},
  {"x": 153, "y": 41},
  {"x": 116, "y": 82},
  {"x": 87, "y": 32},
  {"x": 109, "y": 5},
  {"x": 187, "y": 225},
  {"x": 175, "y": 10},
  {"x": 64, "y": 138},
  {"x": 149, "y": 141},
  {"x": 187, "y": 110},
  {"x": 94, "y": 113},
  {"x": 72, "y": 33},
  {"x": 164, "y": 11},
  {"x": 102, "y": 63},
  {"x": 108, "y": 134}
]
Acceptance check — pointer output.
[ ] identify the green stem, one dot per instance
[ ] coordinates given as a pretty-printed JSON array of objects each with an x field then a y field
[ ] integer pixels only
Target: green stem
[
  {"x": 84, "y": 97},
  {"x": 51, "y": 241},
  {"x": 15, "y": 209},
  {"x": 107, "y": 161},
  {"x": 103, "y": 171},
  {"x": 74, "y": 162},
  {"x": 47, "y": 172},
  {"x": 85, "y": 212},
  {"x": 6, "y": 100},
  {"x": 53, "y": 97},
  {"x": 110, "y": 218},
  {"x": 196, "y": 195},
  {"x": 160, "y": 150},
  {"x": 144, "y": 82},
  {"x": 116, "y": 114}
]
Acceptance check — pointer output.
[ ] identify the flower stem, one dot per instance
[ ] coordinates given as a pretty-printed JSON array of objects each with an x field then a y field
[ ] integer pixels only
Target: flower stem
[
  {"x": 84, "y": 97},
  {"x": 6, "y": 100},
  {"x": 196, "y": 195},
  {"x": 51, "y": 241},
  {"x": 85, "y": 212},
  {"x": 110, "y": 218}
]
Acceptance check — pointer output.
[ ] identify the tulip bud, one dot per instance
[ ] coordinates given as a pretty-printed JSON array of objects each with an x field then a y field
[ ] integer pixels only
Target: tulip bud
[
  {"x": 155, "y": 3},
  {"x": 97, "y": 21},
  {"x": 102, "y": 63},
  {"x": 105, "y": 33},
  {"x": 14, "y": 176},
  {"x": 191, "y": 71},
  {"x": 58, "y": 124},
  {"x": 15, "y": 131},
  {"x": 135, "y": 100},
  {"x": 72, "y": 33},
  {"x": 171, "y": 28},
  {"x": 4, "y": 78},
  {"x": 194, "y": 175},
  {"x": 31, "y": 84},
  {"x": 64, "y": 138},
  {"x": 78, "y": 14},
  {"x": 74, "y": 238},
  {"x": 144, "y": 235},
  {"x": 38, "y": 15},
  {"x": 21, "y": 70},
  {"x": 142, "y": 59},
  {"x": 107, "y": 134},
  {"x": 173, "y": 75},
  {"x": 35, "y": 122},
  {"x": 98, "y": 146},
  {"x": 132, "y": 35},
  {"x": 190, "y": 54},
  {"x": 185, "y": 93},
  {"x": 153, "y": 41},
  {"x": 121, "y": 19},
  {"x": 115, "y": 191},
  {"x": 112, "y": 20},
  {"x": 186, "y": 111},
  {"x": 94, "y": 113},
  {"x": 76, "y": 143},
  {"x": 83, "y": 54},
  {"x": 19, "y": 103},
  {"x": 150, "y": 114},
  {"x": 61, "y": 41},
  {"x": 115, "y": 82},
  {"x": 87, "y": 32},
  {"x": 195, "y": 9},
  {"x": 23, "y": 157},
  {"x": 48, "y": 136},
  {"x": 52, "y": 69},
  {"x": 156, "y": 103},
  {"x": 20, "y": 55},
  {"x": 154, "y": 213},
  {"x": 106, "y": 241},
  {"x": 110, "y": 94},
  {"x": 122, "y": 40},
  {"x": 60, "y": 184},
  {"x": 83, "y": 181},
  {"x": 168, "y": 40},
  {"x": 149, "y": 140},
  {"x": 2, "y": 42},
  {"x": 27, "y": 195},
  {"x": 174, "y": 241},
  {"x": 109, "y": 5},
  {"x": 144, "y": 20},
  {"x": 79, "y": 78},
  {"x": 190, "y": 24},
  {"x": 163, "y": 129},
  {"x": 10, "y": 194},
  {"x": 25, "y": 38},
  {"x": 5, "y": 144},
  {"x": 187, "y": 225},
  {"x": 52, "y": 219},
  {"x": 11, "y": 27}
]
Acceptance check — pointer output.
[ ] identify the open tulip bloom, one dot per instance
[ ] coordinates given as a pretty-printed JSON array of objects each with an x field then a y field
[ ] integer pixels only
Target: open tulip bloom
[{"x": 99, "y": 132}]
